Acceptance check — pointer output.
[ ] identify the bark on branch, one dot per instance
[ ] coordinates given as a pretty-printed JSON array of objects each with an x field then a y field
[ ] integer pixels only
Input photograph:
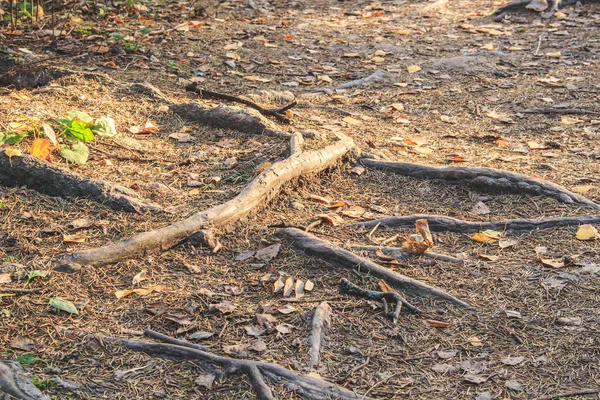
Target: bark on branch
[
  {"x": 262, "y": 189},
  {"x": 484, "y": 178},
  {"x": 312, "y": 245}
]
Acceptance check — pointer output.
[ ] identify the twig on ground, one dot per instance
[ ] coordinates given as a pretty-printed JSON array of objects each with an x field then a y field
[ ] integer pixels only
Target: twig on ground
[
  {"x": 348, "y": 287},
  {"x": 402, "y": 254},
  {"x": 305, "y": 385},
  {"x": 484, "y": 178},
  {"x": 439, "y": 223},
  {"x": 321, "y": 320},
  {"x": 312, "y": 245},
  {"x": 278, "y": 113},
  {"x": 558, "y": 111}
]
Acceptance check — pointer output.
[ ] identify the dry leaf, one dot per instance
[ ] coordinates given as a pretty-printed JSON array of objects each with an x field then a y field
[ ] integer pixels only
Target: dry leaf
[
  {"x": 582, "y": 188},
  {"x": 413, "y": 68},
  {"x": 289, "y": 286},
  {"x": 224, "y": 307},
  {"x": 309, "y": 285},
  {"x": 507, "y": 242},
  {"x": 12, "y": 152},
  {"x": 119, "y": 294},
  {"x": 351, "y": 121},
  {"x": 332, "y": 219},
  {"x": 587, "y": 232},
  {"x": 555, "y": 54},
  {"x": 299, "y": 289},
  {"x": 354, "y": 212},
  {"x": 567, "y": 120},
  {"x": 474, "y": 341},
  {"x": 437, "y": 324},
  {"x": 266, "y": 320},
  {"x": 486, "y": 237},
  {"x": 488, "y": 257},
  {"x": 139, "y": 277},
  {"x": 41, "y": 148},
  {"x": 278, "y": 285},
  {"x": 148, "y": 290},
  {"x": 324, "y": 78},
  {"x": 287, "y": 309},
  {"x": 384, "y": 287},
  {"x": 75, "y": 238},
  {"x": 533, "y": 145}
]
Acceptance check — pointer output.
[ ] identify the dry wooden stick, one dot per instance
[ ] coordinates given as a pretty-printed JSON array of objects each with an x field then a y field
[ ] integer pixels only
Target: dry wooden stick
[
  {"x": 278, "y": 113},
  {"x": 581, "y": 392},
  {"x": 558, "y": 111},
  {"x": 321, "y": 320},
  {"x": 312, "y": 245},
  {"x": 20, "y": 290},
  {"x": 258, "y": 192}
]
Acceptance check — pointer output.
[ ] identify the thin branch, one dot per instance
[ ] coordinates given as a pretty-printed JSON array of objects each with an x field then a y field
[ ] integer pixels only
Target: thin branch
[
  {"x": 581, "y": 392},
  {"x": 19, "y": 290},
  {"x": 558, "y": 111},
  {"x": 402, "y": 254},
  {"x": 321, "y": 320}
]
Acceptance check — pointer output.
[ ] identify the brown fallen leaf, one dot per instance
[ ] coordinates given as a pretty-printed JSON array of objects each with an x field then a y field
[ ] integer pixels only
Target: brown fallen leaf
[
  {"x": 488, "y": 257},
  {"x": 332, "y": 219},
  {"x": 437, "y": 324}
]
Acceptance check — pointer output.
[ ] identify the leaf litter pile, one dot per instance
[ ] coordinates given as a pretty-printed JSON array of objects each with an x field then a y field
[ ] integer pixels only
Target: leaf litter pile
[{"x": 192, "y": 188}]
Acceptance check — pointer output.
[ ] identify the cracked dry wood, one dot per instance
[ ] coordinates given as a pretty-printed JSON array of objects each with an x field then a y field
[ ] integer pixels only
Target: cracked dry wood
[{"x": 258, "y": 192}]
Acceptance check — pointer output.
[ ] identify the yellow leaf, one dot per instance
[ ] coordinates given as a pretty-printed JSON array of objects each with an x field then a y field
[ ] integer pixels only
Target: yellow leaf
[
  {"x": 253, "y": 78},
  {"x": 587, "y": 232},
  {"x": 413, "y": 68},
  {"x": 582, "y": 188},
  {"x": 398, "y": 106},
  {"x": 555, "y": 54},
  {"x": 324, "y": 78},
  {"x": 119, "y": 294},
  {"x": 332, "y": 219},
  {"x": 380, "y": 53},
  {"x": 148, "y": 290},
  {"x": 566, "y": 120},
  {"x": 351, "y": 55},
  {"x": 483, "y": 238},
  {"x": 41, "y": 148},
  {"x": 12, "y": 152},
  {"x": 378, "y": 60},
  {"x": 488, "y": 46},
  {"x": 400, "y": 84},
  {"x": 75, "y": 238},
  {"x": 351, "y": 121},
  {"x": 474, "y": 341}
]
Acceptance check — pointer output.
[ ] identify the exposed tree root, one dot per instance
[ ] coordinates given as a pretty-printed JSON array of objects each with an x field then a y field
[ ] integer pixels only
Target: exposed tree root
[
  {"x": 563, "y": 111},
  {"x": 15, "y": 382},
  {"x": 262, "y": 189},
  {"x": 377, "y": 76},
  {"x": 484, "y": 178},
  {"x": 229, "y": 117},
  {"x": 582, "y": 392},
  {"x": 523, "y": 4},
  {"x": 308, "y": 386},
  {"x": 401, "y": 254},
  {"x": 278, "y": 113},
  {"x": 348, "y": 287},
  {"x": 438, "y": 223},
  {"x": 321, "y": 320},
  {"x": 46, "y": 178},
  {"x": 312, "y": 245}
]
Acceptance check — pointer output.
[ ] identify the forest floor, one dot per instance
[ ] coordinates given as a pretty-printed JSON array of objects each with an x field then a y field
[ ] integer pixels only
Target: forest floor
[{"x": 457, "y": 85}]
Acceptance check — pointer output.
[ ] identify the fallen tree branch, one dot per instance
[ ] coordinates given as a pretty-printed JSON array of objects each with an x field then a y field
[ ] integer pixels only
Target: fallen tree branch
[
  {"x": 308, "y": 386},
  {"x": 558, "y": 111},
  {"x": 377, "y": 76},
  {"x": 258, "y": 192},
  {"x": 321, "y": 320},
  {"x": 348, "y": 287},
  {"x": 229, "y": 117},
  {"x": 484, "y": 178},
  {"x": 278, "y": 113},
  {"x": 312, "y": 245},
  {"x": 46, "y": 178},
  {"x": 438, "y": 223},
  {"x": 401, "y": 254},
  {"x": 20, "y": 290}
]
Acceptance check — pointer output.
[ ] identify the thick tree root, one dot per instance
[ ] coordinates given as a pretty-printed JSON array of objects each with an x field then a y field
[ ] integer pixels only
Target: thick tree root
[
  {"x": 438, "y": 223},
  {"x": 349, "y": 288},
  {"x": 321, "y": 320},
  {"x": 15, "y": 382},
  {"x": 484, "y": 178},
  {"x": 51, "y": 180},
  {"x": 262, "y": 189},
  {"x": 229, "y": 117},
  {"x": 402, "y": 254},
  {"x": 312, "y": 245},
  {"x": 308, "y": 386}
]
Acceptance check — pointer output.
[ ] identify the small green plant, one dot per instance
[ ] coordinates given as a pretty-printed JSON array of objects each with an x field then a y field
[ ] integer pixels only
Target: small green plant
[
  {"x": 43, "y": 384},
  {"x": 28, "y": 359}
]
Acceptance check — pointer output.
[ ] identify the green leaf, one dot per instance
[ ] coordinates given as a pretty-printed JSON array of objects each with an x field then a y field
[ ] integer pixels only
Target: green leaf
[
  {"x": 78, "y": 153},
  {"x": 116, "y": 35},
  {"x": 27, "y": 359},
  {"x": 12, "y": 137},
  {"x": 104, "y": 126},
  {"x": 80, "y": 131},
  {"x": 80, "y": 115},
  {"x": 63, "y": 305},
  {"x": 145, "y": 31},
  {"x": 34, "y": 274}
]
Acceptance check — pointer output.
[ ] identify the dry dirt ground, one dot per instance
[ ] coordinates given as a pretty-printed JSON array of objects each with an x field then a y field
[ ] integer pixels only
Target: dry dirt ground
[{"x": 533, "y": 330}]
